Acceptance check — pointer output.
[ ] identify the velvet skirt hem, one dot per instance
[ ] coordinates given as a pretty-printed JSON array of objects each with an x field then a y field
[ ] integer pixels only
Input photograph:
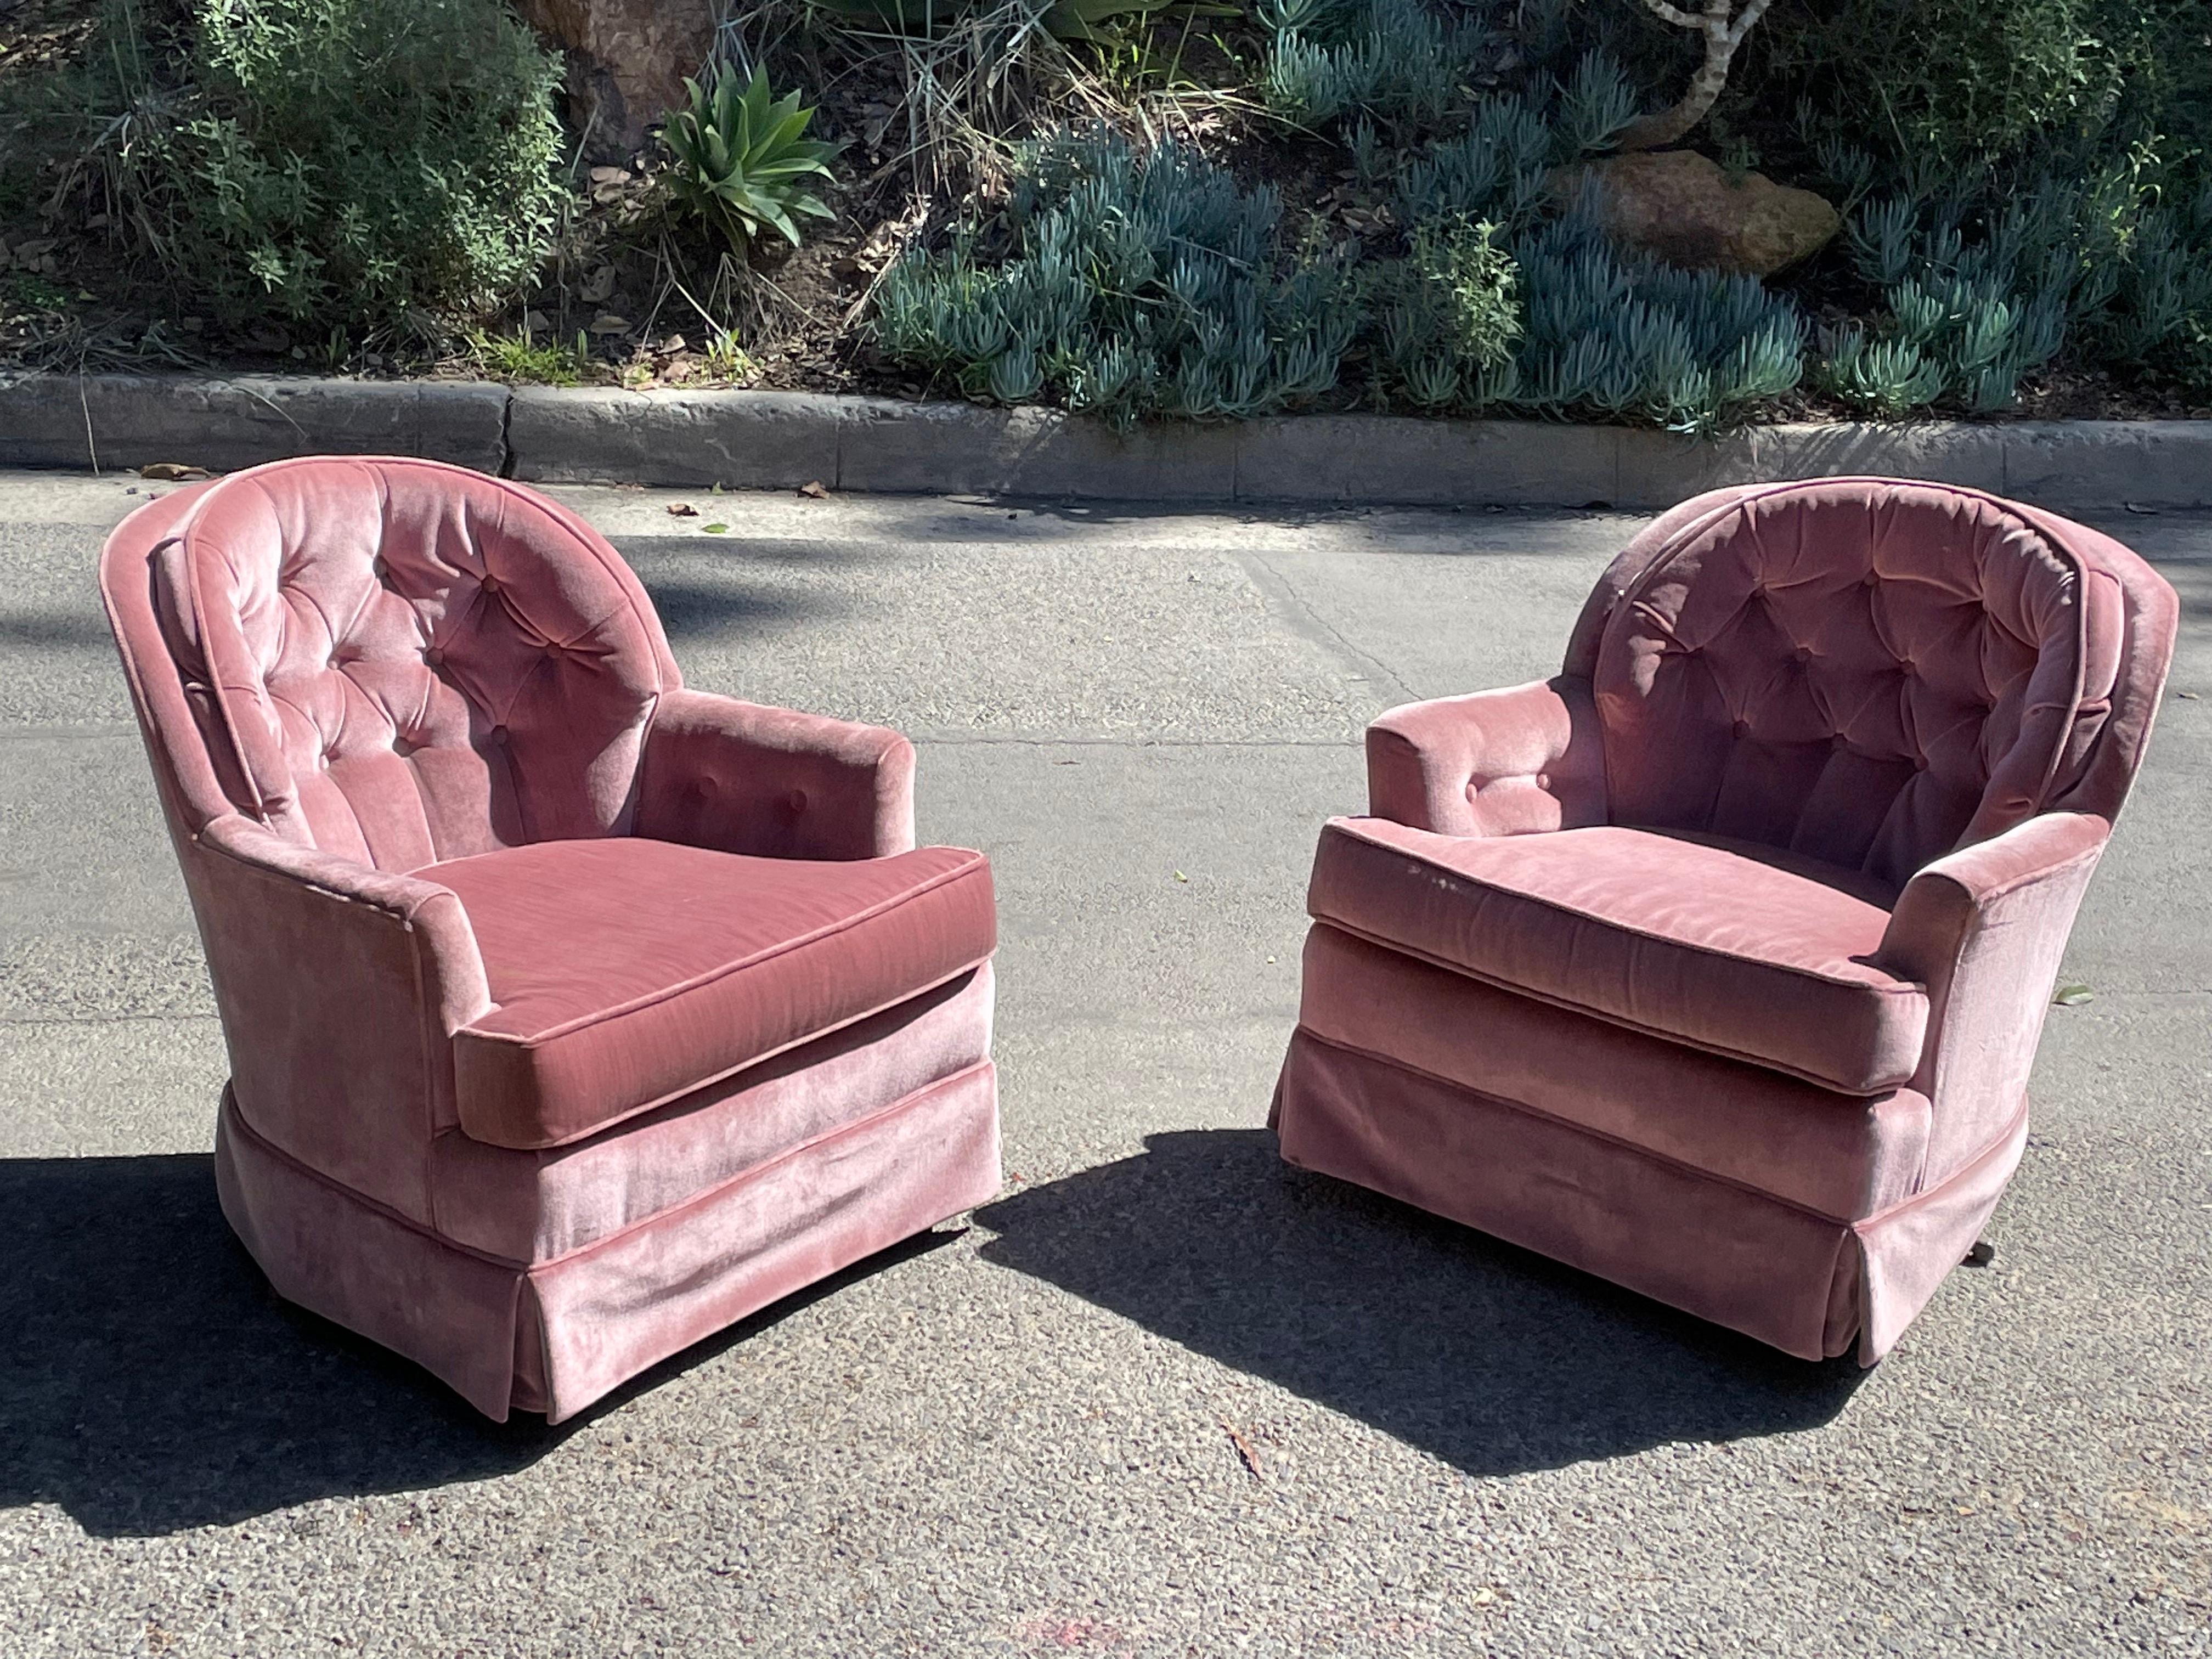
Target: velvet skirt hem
[
  {"x": 556, "y": 1336},
  {"x": 1810, "y": 1285}
]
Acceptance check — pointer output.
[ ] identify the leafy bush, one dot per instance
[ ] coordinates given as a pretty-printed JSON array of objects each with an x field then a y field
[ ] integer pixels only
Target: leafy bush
[
  {"x": 743, "y": 162},
  {"x": 1609, "y": 332},
  {"x": 1974, "y": 297},
  {"x": 1099, "y": 22},
  {"x": 1134, "y": 285},
  {"x": 346, "y": 161},
  {"x": 1392, "y": 59},
  {"x": 1447, "y": 319},
  {"x": 1623, "y": 336}
]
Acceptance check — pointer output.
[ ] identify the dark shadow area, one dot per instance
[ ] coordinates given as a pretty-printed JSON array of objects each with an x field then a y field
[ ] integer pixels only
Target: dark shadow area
[
  {"x": 53, "y": 627},
  {"x": 151, "y": 1382},
  {"x": 1494, "y": 1359},
  {"x": 694, "y": 608},
  {"x": 704, "y": 589}
]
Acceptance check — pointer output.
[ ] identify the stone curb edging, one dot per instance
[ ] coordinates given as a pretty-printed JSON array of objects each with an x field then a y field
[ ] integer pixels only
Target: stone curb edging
[{"x": 780, "y": 439}]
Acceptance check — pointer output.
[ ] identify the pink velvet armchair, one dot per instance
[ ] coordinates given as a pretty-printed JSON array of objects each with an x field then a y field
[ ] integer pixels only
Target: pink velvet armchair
[
  {"x": 1715, "y": 965},
  {"x": 572, "y": 1015}
]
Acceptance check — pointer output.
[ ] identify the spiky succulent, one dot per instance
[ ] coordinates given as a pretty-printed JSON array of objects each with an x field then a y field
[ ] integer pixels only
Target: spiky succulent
[{"x": 743, "y": 159}]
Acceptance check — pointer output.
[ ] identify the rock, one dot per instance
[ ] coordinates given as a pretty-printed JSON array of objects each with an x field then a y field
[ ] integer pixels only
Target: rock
[
  {"x": 1682, "y": 208},
  {"x": 627, "y": 61}
]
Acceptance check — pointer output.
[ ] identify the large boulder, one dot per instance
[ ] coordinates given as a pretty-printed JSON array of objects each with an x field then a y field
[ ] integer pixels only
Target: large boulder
[
  {"x": 627, "y": 59},
  {"x": 1683, "y": 208}
]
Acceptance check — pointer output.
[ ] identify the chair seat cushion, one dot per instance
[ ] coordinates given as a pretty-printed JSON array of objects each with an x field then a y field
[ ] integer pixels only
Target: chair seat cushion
[
  {"x": 1733, "y": 947},
  {"x": 626, "y": 972}
]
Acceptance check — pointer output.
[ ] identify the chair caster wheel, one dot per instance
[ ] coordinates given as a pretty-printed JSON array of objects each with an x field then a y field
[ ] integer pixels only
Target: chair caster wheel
[{"x": 1981, "y": 1255}]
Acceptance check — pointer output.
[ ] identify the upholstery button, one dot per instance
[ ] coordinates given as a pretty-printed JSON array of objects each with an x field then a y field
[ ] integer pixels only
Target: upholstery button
[
  {"x": 1920, "y": 762},
  {"x": 381, "y": 566},
  {"x": 434, "y": 656},
  {"x": 1870, "y": 580},
  {"x": 798, "y": 800},
  {"x": 1804, "y": 654},
  {"x": 1543, "y": 780},
  {"x": 1741, "y": 727},
  {"x": 489, "y": 584},
  {"x": 496, "y": 737},
  {"x": 702, "y": 788}
]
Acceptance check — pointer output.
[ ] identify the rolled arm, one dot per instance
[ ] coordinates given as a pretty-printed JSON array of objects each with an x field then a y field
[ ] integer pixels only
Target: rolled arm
[
  {"x": 1985, "y": 928},
  {"x": 341, "y": 986},
  {"x": 1507, "y": 763},
  {"x": 739, "y": 777}
]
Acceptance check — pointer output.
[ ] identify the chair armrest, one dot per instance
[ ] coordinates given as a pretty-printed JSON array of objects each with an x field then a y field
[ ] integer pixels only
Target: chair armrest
[
  {"x": 1508, "y": 762},
  {"x": 1985, "y": 928},
  {"x": 340, "y": 987},
  {"x": 739, "y": 777}
]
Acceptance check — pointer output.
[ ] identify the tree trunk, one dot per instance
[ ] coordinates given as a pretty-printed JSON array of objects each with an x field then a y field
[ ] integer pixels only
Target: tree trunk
[
  {"x": 1723, "y": 35},
  {"x": 627, "y": 60}
]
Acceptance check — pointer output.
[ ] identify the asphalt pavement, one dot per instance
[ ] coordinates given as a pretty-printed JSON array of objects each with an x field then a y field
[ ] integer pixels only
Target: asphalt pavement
[{"x": 1164, "y": 1397}]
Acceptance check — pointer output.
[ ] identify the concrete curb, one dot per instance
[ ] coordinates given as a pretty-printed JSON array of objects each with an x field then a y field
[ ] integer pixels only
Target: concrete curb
[{"x": 780, "y": 439}]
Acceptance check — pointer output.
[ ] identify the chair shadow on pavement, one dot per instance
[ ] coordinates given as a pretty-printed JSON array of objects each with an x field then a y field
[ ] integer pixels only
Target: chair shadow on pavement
[
  {"x": 150, "y": 1381},
  {"x": 1491, "y": 1358}
]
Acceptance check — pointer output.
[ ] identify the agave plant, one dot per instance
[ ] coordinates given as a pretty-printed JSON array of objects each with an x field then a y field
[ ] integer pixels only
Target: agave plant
[{"x": 744, "y": 161}]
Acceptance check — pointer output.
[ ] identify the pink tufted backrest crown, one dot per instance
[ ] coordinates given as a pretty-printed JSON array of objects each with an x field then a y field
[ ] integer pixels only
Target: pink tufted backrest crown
[
  {"x": 1870, "y": 671},
  {"x": 399, "y": 661}
]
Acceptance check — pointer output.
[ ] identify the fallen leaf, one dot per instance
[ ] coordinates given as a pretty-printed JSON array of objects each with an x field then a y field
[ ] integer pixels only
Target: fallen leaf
[
  {"x": 715, "y": 529},
  {"x": 2188, "y": 696},
  {"x": 596, "y": 285},
  {"x": 2073, "y": 996},
  {"x": 1484, "y": 1597},
  {"x": 815, "y": 491},
  {"x": 1245, "y": 1455},
  {"x": 607, "y": 323},
  {"x": 609, "y": 175},
  {"x": 682, "y": 510},
  {"x": 2138, "y": 508},
  {"x": 173, "y": 471},
  {"x": 1179, "y": 876}
]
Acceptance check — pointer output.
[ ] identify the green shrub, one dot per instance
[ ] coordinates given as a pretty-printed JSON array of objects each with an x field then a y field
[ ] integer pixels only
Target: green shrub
[
  {"x": 1394, "y": 60},
  {"x": 1974, "y": 297},
  {"x": 1131, "y": 285},
  {"x": 347, "y": 162},
  {"x": 1934, "y": 88},
  {"x": 1447, "y": 319},
  {"x": 744, "y": 161},
  {"x": 1624, "y": 337}
]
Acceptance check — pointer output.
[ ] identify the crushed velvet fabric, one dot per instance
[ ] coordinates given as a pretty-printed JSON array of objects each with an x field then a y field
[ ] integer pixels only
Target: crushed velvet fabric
[
  {"x": 1716, "y": 964},
  {"x": 540, "y": 1205},
  {"x": 1834, "y": 1156},
  {"x": 468, "y": 860},
  {"x": 679, "y": 966},
  {"x": 1731, "y": 947},
  {"x": 403, "y": 674}
]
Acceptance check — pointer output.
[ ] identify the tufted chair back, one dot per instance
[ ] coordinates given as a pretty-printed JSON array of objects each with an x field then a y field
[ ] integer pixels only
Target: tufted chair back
[
  {"x": 1869, "y": 672},
  {"x": 400, "y": 662}
]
